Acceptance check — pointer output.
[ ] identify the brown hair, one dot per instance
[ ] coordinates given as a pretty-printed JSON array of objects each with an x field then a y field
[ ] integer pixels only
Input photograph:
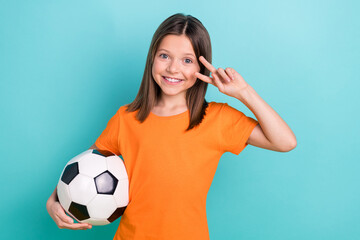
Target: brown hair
[{"x": 149, "y": 92}]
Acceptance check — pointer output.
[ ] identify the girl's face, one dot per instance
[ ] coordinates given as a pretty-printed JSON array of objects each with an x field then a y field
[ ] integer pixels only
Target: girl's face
[{"x": 175, "y": 59}]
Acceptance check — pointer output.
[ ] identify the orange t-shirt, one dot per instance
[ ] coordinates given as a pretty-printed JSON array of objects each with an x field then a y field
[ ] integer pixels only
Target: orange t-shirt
[{"x": 170, "y": 172}]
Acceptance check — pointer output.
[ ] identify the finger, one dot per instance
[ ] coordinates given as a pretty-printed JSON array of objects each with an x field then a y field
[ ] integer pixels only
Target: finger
[
  {"x": 80, "y": 226},
  {"x": 207, "y": 64},
  {"x": 62, "y": 215},
  {"x": 65, "y": 218},
  {"x": 204, "y": 78},
  {"x": 224, "y": 75},
  {"x": 218, "y": 82},
  {"x": 68, "y": 222},
  {"x": 76, "y": 226},
  {"x": 230, "y": 73}
]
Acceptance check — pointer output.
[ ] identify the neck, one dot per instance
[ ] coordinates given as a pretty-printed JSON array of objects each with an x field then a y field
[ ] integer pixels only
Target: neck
[{"x": 171, "y": 102}]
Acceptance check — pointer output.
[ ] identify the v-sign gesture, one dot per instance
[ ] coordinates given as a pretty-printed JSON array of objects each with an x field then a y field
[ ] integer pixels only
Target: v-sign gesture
[{"x": 228, "y": 81}]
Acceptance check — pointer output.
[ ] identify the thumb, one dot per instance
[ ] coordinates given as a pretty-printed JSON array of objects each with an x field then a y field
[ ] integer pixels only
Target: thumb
[
  {"x": 70, "y": 220},
  {"x": 66, "y": 218},
  {"x": 63, "y": 216}
]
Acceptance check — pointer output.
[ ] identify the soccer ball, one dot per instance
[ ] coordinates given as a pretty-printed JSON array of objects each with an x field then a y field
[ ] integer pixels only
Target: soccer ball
[{"x": 94, "y": 187}]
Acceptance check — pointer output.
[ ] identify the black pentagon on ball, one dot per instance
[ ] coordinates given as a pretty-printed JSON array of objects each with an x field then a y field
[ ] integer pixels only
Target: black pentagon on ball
[
  {"x": 106, "y": 183},
  {"x": 79, "y": 211},
  {"x": 118, "y": 212},
  {"x": 70, "y": 172}
]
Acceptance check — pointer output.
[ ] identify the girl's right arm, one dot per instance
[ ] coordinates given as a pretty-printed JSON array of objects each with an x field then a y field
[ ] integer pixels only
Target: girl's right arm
[{"x": 57, "y": 212}]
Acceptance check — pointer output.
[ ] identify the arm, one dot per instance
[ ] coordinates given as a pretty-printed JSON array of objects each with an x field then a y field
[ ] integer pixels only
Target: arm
[
  {"x": 272, "y": 132},
  {"x": 57, "y": 213}
]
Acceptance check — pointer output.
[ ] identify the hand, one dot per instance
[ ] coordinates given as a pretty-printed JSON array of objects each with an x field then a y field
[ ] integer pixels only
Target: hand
[
  {"x": 228, "y": 81},
  {"x": 57, "y": 213}
]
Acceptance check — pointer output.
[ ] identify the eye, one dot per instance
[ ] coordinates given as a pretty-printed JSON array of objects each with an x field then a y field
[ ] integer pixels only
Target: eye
[
  {"x": 162, "y": 54},
  {"x": 189, "y": 60}
]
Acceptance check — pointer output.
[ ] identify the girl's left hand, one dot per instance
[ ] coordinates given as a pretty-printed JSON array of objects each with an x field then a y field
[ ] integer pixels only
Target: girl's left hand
[{"x": 228, "y": 81}]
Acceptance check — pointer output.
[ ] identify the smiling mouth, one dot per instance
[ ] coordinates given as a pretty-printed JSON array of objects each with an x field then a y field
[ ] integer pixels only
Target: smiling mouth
[{"x": 172, "y": 80}]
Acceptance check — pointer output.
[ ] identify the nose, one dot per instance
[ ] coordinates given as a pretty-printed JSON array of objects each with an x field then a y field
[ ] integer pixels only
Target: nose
[{"x": 173, "y": 66}]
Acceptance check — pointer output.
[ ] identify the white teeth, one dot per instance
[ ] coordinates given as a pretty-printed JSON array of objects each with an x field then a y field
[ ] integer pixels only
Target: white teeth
[{"x": 172, "y": 80}]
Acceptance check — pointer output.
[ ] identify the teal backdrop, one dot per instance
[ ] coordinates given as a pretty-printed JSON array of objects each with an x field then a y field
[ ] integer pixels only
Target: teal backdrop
[{"x": 67, "y": 66}]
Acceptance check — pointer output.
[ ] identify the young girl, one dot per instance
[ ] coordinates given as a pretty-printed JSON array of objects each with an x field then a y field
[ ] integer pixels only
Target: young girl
[{"x": 171, "y": 138}]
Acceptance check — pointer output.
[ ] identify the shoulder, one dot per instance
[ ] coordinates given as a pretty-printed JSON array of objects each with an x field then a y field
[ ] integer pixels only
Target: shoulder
[
  {"x": 219, "y": 106},
  {"x": 125, "y": 113},
  {"x": 225, "y": 111},
  {"x": 122, "y": 111},
  {"x": 219, "y": 109},
  {"x": 215, "y": 105}
]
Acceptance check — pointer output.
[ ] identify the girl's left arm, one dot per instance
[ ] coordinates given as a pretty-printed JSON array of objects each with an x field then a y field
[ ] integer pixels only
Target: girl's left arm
[{"x": 272, "y": 132}]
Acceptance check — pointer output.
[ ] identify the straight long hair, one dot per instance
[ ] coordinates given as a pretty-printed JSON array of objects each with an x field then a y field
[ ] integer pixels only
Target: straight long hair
[{"x": 150, "y": 92}]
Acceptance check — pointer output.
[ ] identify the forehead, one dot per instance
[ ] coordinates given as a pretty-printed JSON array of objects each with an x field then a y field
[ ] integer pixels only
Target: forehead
[{"x": 176, "y": 44}]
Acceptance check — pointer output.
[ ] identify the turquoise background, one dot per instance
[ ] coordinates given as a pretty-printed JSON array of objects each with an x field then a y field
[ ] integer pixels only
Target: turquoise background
[{"x": 67, "y": 66}]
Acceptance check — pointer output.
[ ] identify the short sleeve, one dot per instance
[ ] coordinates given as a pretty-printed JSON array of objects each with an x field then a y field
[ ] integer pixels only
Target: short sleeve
[
  {"x": 235, "y": 129},
  {"x": 108, "y": 140}
]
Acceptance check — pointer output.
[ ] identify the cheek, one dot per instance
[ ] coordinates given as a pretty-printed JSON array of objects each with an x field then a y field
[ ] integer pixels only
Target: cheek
[
  {"x": 191, "y": 74},
  {"x": 157, "y": 67},
  {"x": 155, "y": 71},
  {"x": 154, "y": 66}
]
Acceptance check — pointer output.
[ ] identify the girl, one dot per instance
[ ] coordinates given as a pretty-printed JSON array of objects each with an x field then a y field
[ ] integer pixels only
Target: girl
[{"x": 171, "y": 138}]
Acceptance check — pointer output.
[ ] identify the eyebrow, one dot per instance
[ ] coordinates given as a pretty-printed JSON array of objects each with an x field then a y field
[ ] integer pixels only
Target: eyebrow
[{"x": 168, "y": 51}]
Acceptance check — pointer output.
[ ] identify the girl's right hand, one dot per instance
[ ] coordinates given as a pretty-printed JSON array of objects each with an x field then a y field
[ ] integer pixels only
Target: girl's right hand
[{"x": 62, "y": 220}]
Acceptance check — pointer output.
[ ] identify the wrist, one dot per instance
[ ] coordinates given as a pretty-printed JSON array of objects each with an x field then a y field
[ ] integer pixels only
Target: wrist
[
  {"x": 245, "y": 94},
  {"x": 53, "y": 198},
  {"x": 49, "y": 203}
]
